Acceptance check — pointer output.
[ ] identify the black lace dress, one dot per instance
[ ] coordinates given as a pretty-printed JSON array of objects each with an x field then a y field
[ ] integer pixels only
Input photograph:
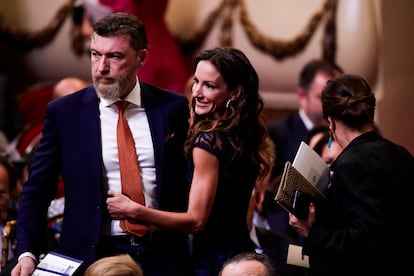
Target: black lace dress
[{"x": 226, "y": 233}]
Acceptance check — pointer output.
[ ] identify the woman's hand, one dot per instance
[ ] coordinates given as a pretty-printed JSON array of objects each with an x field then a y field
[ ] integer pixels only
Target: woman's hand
[
  {"x": 121, "y": 207},
  {"x": 302, "y": 227}
]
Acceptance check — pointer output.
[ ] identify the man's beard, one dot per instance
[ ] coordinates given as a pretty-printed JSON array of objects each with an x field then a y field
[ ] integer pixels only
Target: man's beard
[
  {"x": 118, "y": 88},
  {"x": 110, "y": 92}
]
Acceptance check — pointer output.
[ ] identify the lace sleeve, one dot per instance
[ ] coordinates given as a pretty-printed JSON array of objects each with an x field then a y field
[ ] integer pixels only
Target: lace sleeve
[{"x": 211, "y": 141}]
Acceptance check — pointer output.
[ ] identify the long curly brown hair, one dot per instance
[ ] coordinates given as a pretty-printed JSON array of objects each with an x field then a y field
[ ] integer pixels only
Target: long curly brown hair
[{"x": 242, "y": 120}]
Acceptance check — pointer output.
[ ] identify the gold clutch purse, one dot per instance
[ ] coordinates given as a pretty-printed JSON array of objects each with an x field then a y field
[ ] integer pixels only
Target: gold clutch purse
[{"x": 295, "y": 192}]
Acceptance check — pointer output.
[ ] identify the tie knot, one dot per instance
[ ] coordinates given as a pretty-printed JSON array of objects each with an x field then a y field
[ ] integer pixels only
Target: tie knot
[{"x": 121, "y": 105}]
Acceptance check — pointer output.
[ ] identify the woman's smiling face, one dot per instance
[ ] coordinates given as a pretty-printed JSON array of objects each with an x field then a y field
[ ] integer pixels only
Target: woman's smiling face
[{"x": 209, "y": 89}]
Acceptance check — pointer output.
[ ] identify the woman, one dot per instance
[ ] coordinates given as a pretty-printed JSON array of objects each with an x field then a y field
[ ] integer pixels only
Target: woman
[
  {"x": 364, "y": 229},
  {"x": 119, "y": 265},
  {"x": 224, "y": 141},
  {"x": 322, "y": 142}
]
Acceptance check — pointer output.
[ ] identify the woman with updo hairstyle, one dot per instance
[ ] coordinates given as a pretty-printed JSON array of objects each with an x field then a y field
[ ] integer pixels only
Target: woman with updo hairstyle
[
  {"x": 350, "y": 101},
  {"x": 362, "y": 230}
]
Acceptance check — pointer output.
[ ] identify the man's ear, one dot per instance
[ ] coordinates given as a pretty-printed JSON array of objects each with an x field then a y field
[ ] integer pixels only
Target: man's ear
[
  {"x": 300, "y": 93},
  {"x": 142, "y": 57}
]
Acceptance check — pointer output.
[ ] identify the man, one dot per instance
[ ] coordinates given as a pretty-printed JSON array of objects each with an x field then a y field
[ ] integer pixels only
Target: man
[
  {"x": 270, "y": 243},
  {"x": 166, "y": 66},
  {"x": 8, "y": 186},
  {"x": 249, "y": 264},
  {"x": 67, "y": 86},
  {"x": 11, "y": 121},
  {"x": 79, "y": 139},
  {"x": 287, "y": 133}
]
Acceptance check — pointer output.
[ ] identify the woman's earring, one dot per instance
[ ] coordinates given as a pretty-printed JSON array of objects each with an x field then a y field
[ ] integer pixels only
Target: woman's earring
[
  {"x": 228, "y": 103},
  {"x": 330, "y": 141}
]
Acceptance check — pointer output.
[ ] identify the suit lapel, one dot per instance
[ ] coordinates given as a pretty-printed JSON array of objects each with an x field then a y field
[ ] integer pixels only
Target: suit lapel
[
  {"x": 91, "y": 130},
  {"x": 156, "y": 120}
]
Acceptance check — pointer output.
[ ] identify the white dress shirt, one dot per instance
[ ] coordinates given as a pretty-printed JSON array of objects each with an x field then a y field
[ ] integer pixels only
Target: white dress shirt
[
  {"x": 138, "y": 123},
  {"x": 308, "y": 123}
]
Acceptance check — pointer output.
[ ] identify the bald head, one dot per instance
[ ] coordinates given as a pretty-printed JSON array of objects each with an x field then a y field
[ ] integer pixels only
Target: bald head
[
  {"x": 249, "y": 264},
  {"x": 67, "y": 86},
  {"x": 243, "y": 268}
]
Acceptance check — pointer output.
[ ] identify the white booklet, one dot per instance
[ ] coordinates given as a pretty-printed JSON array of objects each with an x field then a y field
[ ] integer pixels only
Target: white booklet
[
  {"x": 312, "y": 167},
  {"x": 56, "y": 264},
  {"x": 295, "y": 256}
]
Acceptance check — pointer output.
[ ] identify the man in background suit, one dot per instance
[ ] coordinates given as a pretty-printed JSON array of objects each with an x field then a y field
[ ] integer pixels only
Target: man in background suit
[
  {"x": 9, "y": 185},
  {"x": 79, "y": 140},
  {"x": 287, "y": 133},
  {"x": 11, "y": 122},
  {"x": 273, "y": 244}
]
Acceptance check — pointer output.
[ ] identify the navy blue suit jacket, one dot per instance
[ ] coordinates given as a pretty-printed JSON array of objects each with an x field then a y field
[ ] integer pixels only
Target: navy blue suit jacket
[
  {"x": 286, "y": 133},
  {"x": 276, "y": 246},
  {"x": 71, "y": 144}
]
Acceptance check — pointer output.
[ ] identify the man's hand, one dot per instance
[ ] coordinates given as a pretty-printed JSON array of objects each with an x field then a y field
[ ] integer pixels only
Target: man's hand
[{"x": 24, "y": 267}]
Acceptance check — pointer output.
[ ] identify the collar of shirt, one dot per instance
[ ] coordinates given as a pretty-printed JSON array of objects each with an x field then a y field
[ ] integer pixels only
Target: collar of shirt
[
  {"x": 253, "y": 237},
  {"x": 133, "y": 97},
  {"x": 308, "y": 123}
]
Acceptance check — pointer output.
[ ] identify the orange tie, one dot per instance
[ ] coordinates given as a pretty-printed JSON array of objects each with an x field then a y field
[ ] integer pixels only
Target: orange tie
[{"x": 128, "y": 165}]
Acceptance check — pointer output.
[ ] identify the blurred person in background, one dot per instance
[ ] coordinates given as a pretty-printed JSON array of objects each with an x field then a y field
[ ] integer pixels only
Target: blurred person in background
[
  {"x": 287, "y": 133},
  {"x": 120, "y": 265},
  {"x": 323, "y": 143},
  {"x": 249, "y": 263},
  {"x": 8, "y": 186}
]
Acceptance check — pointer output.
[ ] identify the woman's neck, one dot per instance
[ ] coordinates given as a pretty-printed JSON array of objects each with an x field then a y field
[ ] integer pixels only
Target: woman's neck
[{"x": 344, "y": 135}]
